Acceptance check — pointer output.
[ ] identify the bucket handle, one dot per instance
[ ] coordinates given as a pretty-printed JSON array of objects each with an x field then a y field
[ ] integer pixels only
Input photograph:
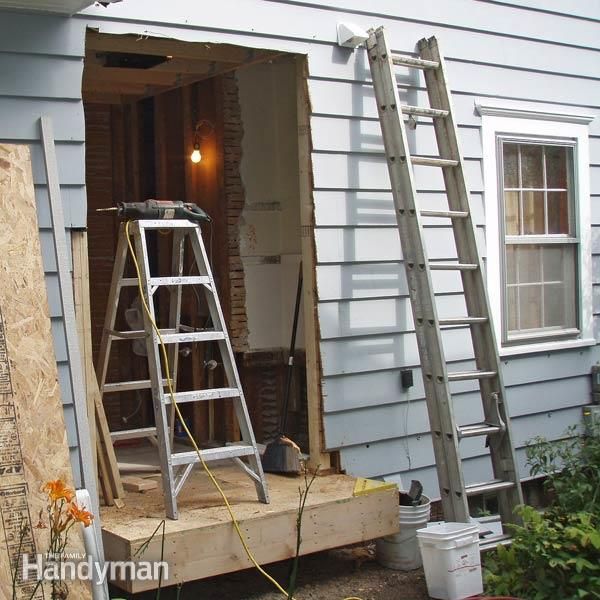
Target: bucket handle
[{"x": 464, "y": 541}]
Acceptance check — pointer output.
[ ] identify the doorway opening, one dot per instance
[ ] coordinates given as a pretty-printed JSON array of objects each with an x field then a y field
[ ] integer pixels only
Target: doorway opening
[{"x": 149, "y": 103}]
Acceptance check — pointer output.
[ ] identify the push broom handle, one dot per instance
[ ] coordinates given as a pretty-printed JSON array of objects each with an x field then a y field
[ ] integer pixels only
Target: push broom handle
[{"x": 290, "y": 363}]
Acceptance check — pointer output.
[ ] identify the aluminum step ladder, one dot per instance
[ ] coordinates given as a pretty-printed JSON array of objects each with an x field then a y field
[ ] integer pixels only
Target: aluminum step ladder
[
  {"x": 437, "y": 378},
  {"x": 176, "y": 466}
]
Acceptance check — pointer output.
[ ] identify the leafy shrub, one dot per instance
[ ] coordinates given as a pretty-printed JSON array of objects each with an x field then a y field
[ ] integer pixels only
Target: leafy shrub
[
  {"x": 552, "y": 556},
  {"x": 555, "y": 554}
]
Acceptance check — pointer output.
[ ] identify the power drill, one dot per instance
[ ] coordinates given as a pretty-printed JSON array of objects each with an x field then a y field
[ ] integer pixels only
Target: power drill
[{"x": 159, "y": 210}]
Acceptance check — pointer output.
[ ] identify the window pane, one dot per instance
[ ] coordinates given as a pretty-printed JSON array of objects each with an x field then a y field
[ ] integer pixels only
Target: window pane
[
  {"x": 511, "y": 166},
  {"x": 531, "y": 166},
  {"x": 511, "y": 264},
  {"x": 556, "y": 166},
  {"x": 511, "y": 308},
  {"x": 529, "y": 264},
  {"x": 554, "y": 269},
  {"x": 511, "y": 213},
  {"x": 530, "y": 306},
  {"x": 533, "y": 213},
  {"x": 558, "y": 212}
]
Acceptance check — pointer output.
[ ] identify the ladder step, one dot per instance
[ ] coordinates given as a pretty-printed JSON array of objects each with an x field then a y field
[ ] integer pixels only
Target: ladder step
[
  {"x": 196, "y": 336},
  {"x": 493, "y": 541},
  {"x": 445, "y": 214},
  {"x": 422, "y": 111},
  {"x": 432, "y": 161},
  {"x": 489, "y": 486},
  {"x": 188, "y": 280},
  {"x": 132, "y": 434},
  {"x": 202, "y": 395},
  {"x": 210, "y": 454},
  {"x": 419, "y": 63},
  {"x": 463, "y": 375},
  {"x": 127, "y": 386},
  {"x": 478, "y": 429},
  {"x": 440, "y": 266},
  {"x": 463, "y": 321}
]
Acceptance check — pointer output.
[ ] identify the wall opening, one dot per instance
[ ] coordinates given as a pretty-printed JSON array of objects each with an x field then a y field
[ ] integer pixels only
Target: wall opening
[{"x": 143, "y": 99}]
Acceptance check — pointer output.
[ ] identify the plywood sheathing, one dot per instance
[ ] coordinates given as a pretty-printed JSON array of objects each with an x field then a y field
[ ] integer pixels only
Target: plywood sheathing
[{"x": 29, "y": 391}]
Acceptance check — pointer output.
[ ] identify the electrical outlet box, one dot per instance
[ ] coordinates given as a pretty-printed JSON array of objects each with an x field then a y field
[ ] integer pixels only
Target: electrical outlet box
[{"x": 591, "y": 417}]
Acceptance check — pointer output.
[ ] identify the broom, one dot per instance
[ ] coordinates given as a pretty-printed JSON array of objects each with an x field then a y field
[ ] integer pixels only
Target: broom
[{"x": 282, "y": 455}]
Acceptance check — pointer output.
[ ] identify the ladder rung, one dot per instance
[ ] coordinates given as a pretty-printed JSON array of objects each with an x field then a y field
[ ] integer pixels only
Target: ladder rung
[
  {"x": 187, "y": 280},
  {"x": 196, "y": 336},
  {"x": 166, "y": 224},
  {"x": 422, "y": 111},
  {"x": 432, "y": 161},
  {"x": 435, "y": 266},
  {"x": 478, "y": 429},
  {"x": 419, "y": 63},
  {"x": 185, "y": 458},
  {"x": 445, "y": 214},
  {"x": 126, "y": 386},
  {"x": 135, "y": 334},
  {"x": 463, "y": 375},
  {"x": 463, "y": 320},
  {"x": 489, "y": 486},
  {"x": 132, "y": 434},
  {"x": 493, "y": 541},
  {"x": 202, "y": 395}
]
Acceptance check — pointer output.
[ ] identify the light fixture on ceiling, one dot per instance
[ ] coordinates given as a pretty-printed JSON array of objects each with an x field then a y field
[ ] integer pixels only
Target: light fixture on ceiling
[{"x": 202, "y": 130}]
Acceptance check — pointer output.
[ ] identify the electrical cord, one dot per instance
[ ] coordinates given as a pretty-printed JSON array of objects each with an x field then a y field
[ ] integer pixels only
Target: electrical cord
[{"x": 189, "y": 433}]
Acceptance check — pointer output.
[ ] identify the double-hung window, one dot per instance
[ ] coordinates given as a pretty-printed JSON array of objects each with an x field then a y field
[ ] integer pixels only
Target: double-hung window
[
  {"x": 538, "y": 227},
  {"x": 540, "y": 243}
]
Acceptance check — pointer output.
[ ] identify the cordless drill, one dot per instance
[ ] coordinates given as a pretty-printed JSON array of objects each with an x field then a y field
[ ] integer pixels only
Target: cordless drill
[{"x": 159, "y": 210}]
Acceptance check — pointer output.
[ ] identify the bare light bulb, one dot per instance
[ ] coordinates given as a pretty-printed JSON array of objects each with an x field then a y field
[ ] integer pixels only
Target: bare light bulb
[{"x": 196, "y": 157}]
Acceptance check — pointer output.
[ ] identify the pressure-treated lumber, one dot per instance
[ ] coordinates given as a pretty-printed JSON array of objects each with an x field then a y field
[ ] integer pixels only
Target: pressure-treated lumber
[
  {"x": 202, "y": 543},
  {"x": 33, "y": 437}
]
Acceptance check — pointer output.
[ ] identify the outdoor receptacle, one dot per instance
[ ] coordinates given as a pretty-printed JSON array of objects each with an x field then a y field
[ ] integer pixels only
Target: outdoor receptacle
[{"x": 406, "y": 378}]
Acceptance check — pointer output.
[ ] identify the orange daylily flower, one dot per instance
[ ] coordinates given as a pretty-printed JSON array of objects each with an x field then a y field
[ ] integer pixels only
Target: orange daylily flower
[
  {"x": 57, "y": 490},
  {"x": 80, "y": 515}
]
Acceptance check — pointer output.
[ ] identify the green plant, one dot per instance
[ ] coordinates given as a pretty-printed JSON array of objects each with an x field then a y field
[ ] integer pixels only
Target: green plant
[
  {"x": 571, "y": 467},
  {"x": 555, "y": 554}
]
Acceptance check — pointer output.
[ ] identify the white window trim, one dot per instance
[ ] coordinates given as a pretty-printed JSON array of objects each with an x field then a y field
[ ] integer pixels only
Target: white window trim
[{"x": 500, "y": 118}]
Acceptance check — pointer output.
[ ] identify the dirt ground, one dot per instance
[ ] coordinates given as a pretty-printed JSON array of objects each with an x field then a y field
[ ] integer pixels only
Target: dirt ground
[{"x": 331, "y": 575}]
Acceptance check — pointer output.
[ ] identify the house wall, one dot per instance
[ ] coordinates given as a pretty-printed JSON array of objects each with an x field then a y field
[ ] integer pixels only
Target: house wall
[
  {"x": 533, "y": 50},
  {"x": 41, "y": 61}
]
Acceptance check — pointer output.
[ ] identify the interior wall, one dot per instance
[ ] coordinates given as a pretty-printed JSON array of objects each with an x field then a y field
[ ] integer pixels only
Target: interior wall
[{"x": 270, "y": 244}]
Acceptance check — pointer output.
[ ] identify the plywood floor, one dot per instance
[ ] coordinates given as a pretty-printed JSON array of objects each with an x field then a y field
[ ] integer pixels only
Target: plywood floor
[{"x": 203, "y": 543}]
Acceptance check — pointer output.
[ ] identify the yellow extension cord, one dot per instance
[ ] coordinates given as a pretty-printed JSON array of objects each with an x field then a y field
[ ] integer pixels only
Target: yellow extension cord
[{"x": 189, "y": 433}]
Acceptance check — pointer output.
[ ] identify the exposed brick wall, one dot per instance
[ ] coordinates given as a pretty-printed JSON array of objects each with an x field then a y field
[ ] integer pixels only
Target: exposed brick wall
[{"x": 234, "y": 196}]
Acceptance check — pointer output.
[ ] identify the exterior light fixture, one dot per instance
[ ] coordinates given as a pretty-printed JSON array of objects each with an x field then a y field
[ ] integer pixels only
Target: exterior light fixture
[{"x": 202, "y": 130}]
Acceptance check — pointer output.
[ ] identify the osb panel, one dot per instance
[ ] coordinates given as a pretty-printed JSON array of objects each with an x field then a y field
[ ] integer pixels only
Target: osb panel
[{"x": 33, "y": 441}]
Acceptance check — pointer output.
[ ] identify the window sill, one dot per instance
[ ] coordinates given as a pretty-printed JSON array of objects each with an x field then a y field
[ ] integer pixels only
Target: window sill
[{"x": 541, "y": 347}]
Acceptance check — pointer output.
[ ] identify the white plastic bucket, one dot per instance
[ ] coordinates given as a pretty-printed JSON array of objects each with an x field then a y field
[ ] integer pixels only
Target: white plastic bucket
[
  {"x": 400, "y": 551},
  {"x": 451, "y": 560}
]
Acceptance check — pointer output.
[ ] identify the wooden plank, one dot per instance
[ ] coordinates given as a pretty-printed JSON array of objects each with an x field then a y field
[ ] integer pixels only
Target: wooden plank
[
  {"x": 138, "y": 484},
  {"x": 309, "y": 295},
  {"x": 202, "y": 543},
  {"x": 81, "y": 297},
  {"x": 34, "y": 444},
  {"x": 88, "y": 476}
]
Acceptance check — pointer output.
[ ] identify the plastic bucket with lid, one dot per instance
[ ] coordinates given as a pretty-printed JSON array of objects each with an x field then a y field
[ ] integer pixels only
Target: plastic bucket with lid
[
  {"x": 451, "y": 560},
  {"x": 400, "y": 551}
]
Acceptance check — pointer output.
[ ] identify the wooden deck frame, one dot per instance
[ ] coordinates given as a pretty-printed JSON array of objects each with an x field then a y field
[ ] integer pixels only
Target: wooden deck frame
[{"x": 203, "y": 543}]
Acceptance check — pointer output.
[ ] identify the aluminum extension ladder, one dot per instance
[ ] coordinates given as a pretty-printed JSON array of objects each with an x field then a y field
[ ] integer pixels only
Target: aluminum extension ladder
[
  {"x": 176, "y": 466},
  {"x": 437, "y": 379}
]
